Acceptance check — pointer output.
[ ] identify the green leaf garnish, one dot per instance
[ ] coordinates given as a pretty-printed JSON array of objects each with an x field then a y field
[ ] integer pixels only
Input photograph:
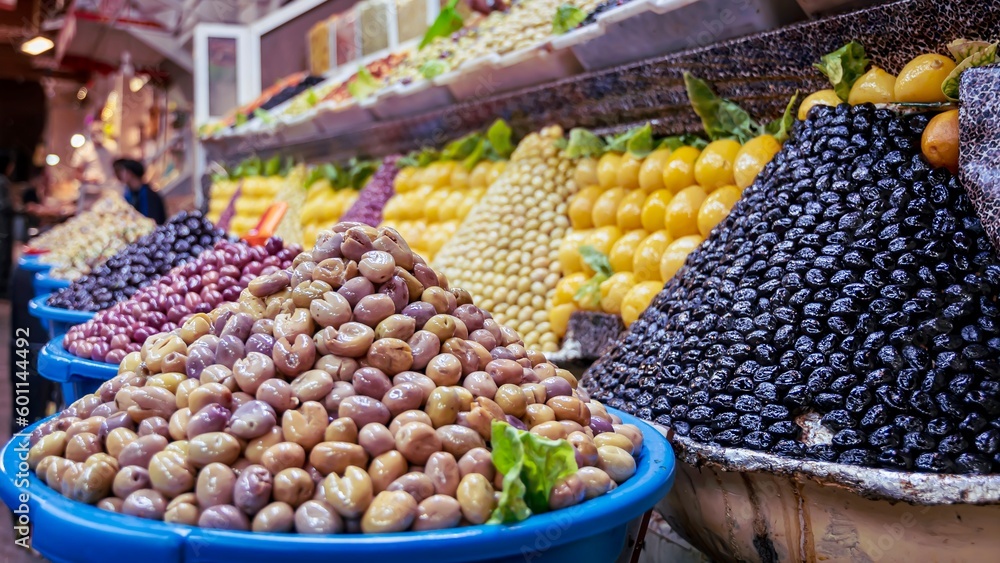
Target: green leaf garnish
[
  {"x": 447, "y": 22},
  {"x": 844, "y": 67},
  {"x": 363, "y": 85},
  {"x": 459, "y": 149},
  {"x": 312, "y": 98},
  {"x": 962, "y": 49},
  {"x": 478, "y": 153},
  {"x": 273, "y": 166},
  {"x": 589, "y": 293},
  {"x": 567, "y": 18},
  {"x": 532, "y": 465},
  {"x": 637, "y": 141},
  {"x": 421, "y": 158},
  {"x": 979, "y": 53},
  {"x": 315, "y": 175},
  {"x": 686, "y": 140},
  {"x": 780, "y": 127},
  {"x": 241, "y": 119},
  {"x": 582, "y": 143},
  {"x": 430, "y": 69},
  {"x": 359, "y": 171},
  {"x": 264, "y": 116},
  {"x": 722, "y": 118},
  {"x": 499, "y": 135}
]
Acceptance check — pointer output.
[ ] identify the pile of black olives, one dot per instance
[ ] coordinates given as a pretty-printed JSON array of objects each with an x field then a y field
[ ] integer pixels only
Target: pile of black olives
[
  {"x": 180, "y": 239},
  {"x": 853, "y": 285}
]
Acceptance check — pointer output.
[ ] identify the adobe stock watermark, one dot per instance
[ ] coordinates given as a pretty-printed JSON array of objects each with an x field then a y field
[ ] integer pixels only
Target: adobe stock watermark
[{"x": 22, "y": 512}]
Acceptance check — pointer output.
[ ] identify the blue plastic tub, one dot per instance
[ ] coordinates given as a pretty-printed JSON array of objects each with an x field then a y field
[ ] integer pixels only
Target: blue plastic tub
[
  {"x": 45, "y": 284},
  {"x": 58, "y": 321},
  {"x": 65, "y": 531},
  {"x": 77, "y": 376},
  {"x": 32, "y": 263}
]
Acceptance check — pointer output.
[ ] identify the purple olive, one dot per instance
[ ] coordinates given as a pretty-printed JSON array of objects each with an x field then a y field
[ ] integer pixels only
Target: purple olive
[{"x": 252, "y": 419}]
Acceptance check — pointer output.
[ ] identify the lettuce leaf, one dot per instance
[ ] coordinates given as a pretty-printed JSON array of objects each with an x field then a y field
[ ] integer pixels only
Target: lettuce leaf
[
  {"x": 447, "y": 22},
  {"x": 567, "y": 18},
  {"x": 581, "y": 143},
  {"x": 590, "y": 292},
  {"x": 460, "y": 149},
  {"x": 844, "y": 67},
  {"x": 780, "y": 127},
  {"x": 363, "y": 85},
  {"x": 531, "y": 465},
  {"x": 637, "y": 141},
  {"x": 430, "y": 69},
  {"x": 499, "y": 135},
  {"x": 721, "y": 118},
  {"x": 979, "y": 53},
  {"x": 686, "y": 140}
]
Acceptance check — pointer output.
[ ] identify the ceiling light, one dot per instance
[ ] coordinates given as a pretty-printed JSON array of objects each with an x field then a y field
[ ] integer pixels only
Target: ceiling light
[
  {"x": 37, "y": 45},
  {"x": 52, "y": 159},
  {"x": 76, "y": 141},
  {"x": 81, "y": 94}
]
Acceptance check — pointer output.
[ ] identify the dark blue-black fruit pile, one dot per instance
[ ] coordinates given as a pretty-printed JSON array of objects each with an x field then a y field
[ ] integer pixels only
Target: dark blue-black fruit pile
[
  {"x": 852, "y": 281},
  {"x": 601, "y": 8},
  {"x": 175, "y": 242}
]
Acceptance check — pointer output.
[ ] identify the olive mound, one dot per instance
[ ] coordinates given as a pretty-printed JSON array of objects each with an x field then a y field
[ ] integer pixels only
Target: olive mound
[
  {"x": 354, "y": 391},
  {"x": 852, "y": 284}
]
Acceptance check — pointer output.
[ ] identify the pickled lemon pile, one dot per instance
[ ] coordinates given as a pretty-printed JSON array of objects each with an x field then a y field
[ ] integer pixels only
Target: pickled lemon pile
[
  {"x": 323, "y": 207},
  {"x": 431, "y": 201},
  {"x": 646, "y": 215}
]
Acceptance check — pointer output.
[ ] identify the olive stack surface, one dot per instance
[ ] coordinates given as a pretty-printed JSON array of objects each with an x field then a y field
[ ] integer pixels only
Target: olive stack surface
[{"x": 852, "y": 285}]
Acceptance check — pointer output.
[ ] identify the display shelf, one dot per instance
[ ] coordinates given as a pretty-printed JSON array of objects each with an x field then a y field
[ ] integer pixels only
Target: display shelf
[
  {"x": 761, "y": 72},
  {"x": 57, "y": 320},
  {"x": 76, "y": 376}
]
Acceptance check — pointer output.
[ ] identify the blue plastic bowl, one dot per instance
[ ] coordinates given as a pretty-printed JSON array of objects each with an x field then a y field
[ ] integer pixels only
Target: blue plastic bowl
[
  {"x": 595, "y": 531},
  {"x": 33, "y": 264},
  {"x": 58, "y": 321},
  {"x": 77, "y": 376},
  {"x": 45, "y": 284}
]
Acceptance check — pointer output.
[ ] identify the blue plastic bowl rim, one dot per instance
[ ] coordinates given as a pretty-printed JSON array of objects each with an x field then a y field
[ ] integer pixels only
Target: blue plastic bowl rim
[
  {"x": 32, "y": 263},
  {"x": 75, "y": 365},
  {"x": 653, "y": 479},
  {"x": 38, "y": 308},
  {"x": 44, "y": 280}
]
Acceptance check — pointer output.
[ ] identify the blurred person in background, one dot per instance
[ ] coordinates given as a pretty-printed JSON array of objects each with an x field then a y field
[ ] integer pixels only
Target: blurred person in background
[
  {"x": 92, "y": 164},
  {"x": 137, "y": 192},
  {"x": 40, "y": 208}
]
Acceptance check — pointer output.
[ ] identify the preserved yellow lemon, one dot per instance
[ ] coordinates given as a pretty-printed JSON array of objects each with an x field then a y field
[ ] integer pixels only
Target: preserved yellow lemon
[
  {"x": 623, "y": 251},
  {"x": 678, "y": 170},
  {"x": 638, "y": 299},
  {"x": 820, "y": 98},
  {"x": 607, "y": 169},
  {"x": 921, "y": 79},
  {"x": 752, "y": 158},
  {"x": 629, "y": 215},
  {"x": 646, "y": 263},
  {"x": 714, "y": 167},
  {"x": 681, "y": 218},
  {"x": 875, "y": 86},
  {"x": 581, "y": 207},
  {"x": 716, "y": 207},
  {"x": 605, "y": 211},
  {"x": 675, "y": 255},
  {"x": 628, "y": 171},
  {"x": 613, "y": 291}
]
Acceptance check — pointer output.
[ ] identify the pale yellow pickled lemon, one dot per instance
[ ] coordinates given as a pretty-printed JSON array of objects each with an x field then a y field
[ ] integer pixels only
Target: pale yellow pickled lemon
[
  {"x": 681, "y": 218},
  {"x": 875, "y": 86},
  {"x": 675, "y": 255},
  {"x": 613, "y": 291},
  {"x": 567, "y": 287},
  {"x": 602, "y": 239},
  {"x": 581, "y": 207},
  {"x": 655, "y": 208},
  {"x": 714, "y": 167},
  {"x": 939, "y": 142},
  {"x": 629, "y": 215},
  {"x": 605, "y": 210},
  {"x": 716, "y": 207},
  {"x": 623, "y": 251},
  {"x": 460, "y": 178},
  {"x": 678, "y": 170},
  {"x": 753, "y": 157},
  {"x": 442, "y": 172},
  {"x": 628, "y": 171},
  {"x": 559, "y": 318},
  {"x": 480, "y": 174},
  {"x": 646, "y": 263},
  {"x": 638, "y": 299},
  {"x": 403, "y": 181},
  {"x": 651, "y": 171},
  {"x": 921, "y": 79},
  {"x": 569, "y": 251},
  {"x": 820, "y": 98},
  {"x": 585, "y": 173},
  {"x": 607, "y": 169}
]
